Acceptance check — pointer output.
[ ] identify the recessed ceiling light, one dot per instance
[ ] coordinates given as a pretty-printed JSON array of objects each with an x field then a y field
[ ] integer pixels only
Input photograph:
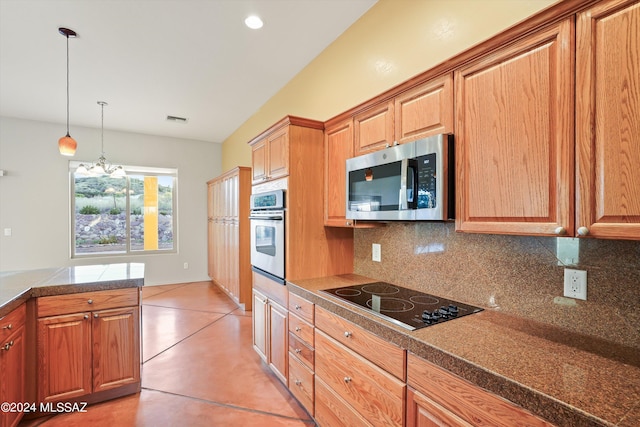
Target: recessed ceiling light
[{"x": 254, "y": 22}]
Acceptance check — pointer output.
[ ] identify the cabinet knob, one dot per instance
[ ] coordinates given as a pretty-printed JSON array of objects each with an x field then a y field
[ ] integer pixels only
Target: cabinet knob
[
  {"x": 9, "y": 326},
  {"x": 95, "y": 315},
  {"x": 560, "y": 231},
  {"x": 347, "y": 379},
  {"x": 347, "y": 334},
  {"x": 298, "y": 328},
  {"x": 90, "y": 301},
  {"x": 348, "y": 223},
  {"x": 298, "y": 351},
  {"x": 583, "y": 231},
  {"x": 298, "y": 382},
  {"x": 7, "y": 346},
  {"x": 86, "y": 316},
  {"x": 298, "y": 307}
]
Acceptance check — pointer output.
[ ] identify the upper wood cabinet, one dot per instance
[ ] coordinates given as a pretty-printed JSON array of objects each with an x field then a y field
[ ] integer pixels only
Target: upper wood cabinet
[
  {"x": 424, "y": 110},
  {"x": 270, "y": 155},
  {"x": 338, "y": 147},
  {"x": 608, "y": 120},
  {"x": 374, "y": 128},
  {"x": 514, "y": 137}
]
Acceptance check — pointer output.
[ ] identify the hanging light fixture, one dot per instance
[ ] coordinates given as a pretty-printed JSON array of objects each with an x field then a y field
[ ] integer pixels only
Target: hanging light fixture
[
  {"x": 66, "y": 144},
  {"x": 101, "y": 167}
]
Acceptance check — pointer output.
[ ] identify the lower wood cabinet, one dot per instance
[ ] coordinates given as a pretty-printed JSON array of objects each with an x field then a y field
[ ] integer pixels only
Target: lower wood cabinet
[
  {"x": 301, "y": 351},
  {"x": 12, "y": 363},
  {"x": 270, "y": 324},
  {"x": 94, "y": 350},
  {"x": 438, "y": 398}
]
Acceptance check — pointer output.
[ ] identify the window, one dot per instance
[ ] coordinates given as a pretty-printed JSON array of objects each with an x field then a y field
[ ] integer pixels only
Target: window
[{"x": 130, "y": 215}]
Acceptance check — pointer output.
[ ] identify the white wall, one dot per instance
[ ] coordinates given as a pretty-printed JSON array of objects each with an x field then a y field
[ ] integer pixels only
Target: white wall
[{"x": 35, "y": 198}]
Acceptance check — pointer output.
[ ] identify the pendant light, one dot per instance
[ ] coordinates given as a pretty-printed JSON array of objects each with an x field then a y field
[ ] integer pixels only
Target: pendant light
[
  {"x": 101, "y": 167},
  {"x": 66, "y": 144}
]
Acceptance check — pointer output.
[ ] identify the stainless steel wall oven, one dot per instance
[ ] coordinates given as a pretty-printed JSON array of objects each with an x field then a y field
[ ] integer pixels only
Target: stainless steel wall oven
[{"x": 268, "y": 234}]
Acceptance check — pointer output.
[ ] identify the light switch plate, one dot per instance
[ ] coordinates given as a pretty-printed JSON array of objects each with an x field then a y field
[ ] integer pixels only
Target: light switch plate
[{"x": 376, "y": 252}]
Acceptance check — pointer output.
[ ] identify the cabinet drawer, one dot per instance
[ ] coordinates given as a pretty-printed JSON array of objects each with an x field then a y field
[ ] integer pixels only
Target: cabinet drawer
[
  {"x": 301, "y": 329},
  {"x": 471, "y": 403},
  {"x": 12, "y": 321},
  {"x": 86, "y": 301},
  {"x": 301, "y": 307},
  {"x": 377, "y": 395},
  {"x": 301, "y": 350},
  {"x": 333, "y": 411},
  {"x": 301, "y": 383},
  {"x": 384, "y": 354}
]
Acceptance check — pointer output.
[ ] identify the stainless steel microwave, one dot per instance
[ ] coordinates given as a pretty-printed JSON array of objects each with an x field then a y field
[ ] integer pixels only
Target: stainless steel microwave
[{"x": 412, "y": 181}]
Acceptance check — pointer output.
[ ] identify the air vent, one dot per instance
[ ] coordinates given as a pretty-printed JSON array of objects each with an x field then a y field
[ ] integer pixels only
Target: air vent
[{"x": 177, "y": 119}]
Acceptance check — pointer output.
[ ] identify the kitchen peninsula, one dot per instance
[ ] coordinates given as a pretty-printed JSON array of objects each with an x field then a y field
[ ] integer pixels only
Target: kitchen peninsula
[{"x": 91, "y": 312}]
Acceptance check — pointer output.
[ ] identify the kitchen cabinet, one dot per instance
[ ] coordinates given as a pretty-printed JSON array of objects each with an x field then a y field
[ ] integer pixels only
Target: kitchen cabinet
[
  {"x": 12, "y": 363},
  {"x": 270, "y": 154},
  {"x": 358, "y": 375},
  {"x": 424, "y": 110},
  {"x": 514, "y": 136},
  {"x": 229, "y": 250},
  {"x": 301, "y": 351},
  {"x": 270, "y": 324},
  {"x": 438, "y": 398},
  {"x": 87, "y": 343},
  {"x": 373, "y": 128},
  {"x": 608, "y": 120}
]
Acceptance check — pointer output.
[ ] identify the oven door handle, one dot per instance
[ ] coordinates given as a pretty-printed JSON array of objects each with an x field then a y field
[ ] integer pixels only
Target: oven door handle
[{"x": 269, "y": 217}]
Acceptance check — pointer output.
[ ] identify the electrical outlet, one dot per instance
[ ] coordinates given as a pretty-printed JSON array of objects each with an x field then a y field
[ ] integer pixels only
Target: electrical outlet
[
  {"x": 575, "y": 283},
  {"x": 376, "y": 252},
  {"x": 186, "y": 265}
]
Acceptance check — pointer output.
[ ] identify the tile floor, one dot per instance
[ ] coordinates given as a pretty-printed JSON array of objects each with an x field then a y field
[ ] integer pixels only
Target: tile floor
[{"x": 199, "y": 369}]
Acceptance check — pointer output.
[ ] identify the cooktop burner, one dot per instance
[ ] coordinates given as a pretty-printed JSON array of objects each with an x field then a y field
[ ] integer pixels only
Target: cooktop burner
[{"x": 408, "y": 308}]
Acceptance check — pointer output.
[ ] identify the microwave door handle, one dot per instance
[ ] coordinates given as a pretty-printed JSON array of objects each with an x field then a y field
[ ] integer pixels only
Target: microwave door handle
[
  {"x": 402, "y": 201},
  {"x": 270, "y": 218},
  {"x": 413, "y": 202}
]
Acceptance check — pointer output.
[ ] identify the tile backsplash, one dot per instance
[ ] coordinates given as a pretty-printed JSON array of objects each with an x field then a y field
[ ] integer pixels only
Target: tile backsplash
[{"x": 519, "y": 275}]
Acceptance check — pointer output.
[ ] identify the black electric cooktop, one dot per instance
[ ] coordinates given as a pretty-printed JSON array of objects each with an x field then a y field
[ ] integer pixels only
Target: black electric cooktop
[{"x": 408, "y": 308}]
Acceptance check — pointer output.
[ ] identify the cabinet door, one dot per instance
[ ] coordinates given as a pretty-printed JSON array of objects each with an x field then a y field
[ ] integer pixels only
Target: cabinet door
[
  {"x": 278, "y": 157},
  {"x": 608, "y": 120},
  {"x": 12, "y": 374},
  {"x": 373, "y": 128},
  {"x": 259, "y": 161},
  {"x": 424, "y": 412},
  {"x": 514, "y": 132},
  {"x": 338, "y": 141},
  {"x": 425, "y": 110},
  {"x": 116, "y": 348},
  {"x": 278, "y": 345},
  {"x": 64, "y": 356},
  {"x": 259, "y": 314}
]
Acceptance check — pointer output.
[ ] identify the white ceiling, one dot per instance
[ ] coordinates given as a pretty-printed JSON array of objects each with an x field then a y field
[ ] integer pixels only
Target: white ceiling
[{"x": 152, "y": 58}]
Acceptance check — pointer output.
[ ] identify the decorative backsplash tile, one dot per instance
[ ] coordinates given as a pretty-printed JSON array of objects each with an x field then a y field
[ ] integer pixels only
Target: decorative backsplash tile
[{"x": 520, "y": 275}]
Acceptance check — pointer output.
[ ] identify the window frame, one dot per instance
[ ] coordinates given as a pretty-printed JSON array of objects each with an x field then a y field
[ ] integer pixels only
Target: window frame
[{"x": 129, "y": 170}]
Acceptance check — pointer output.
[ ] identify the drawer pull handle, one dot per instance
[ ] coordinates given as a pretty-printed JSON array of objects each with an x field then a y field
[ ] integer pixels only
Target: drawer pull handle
[
  {"x": 347, "y": 334},
  {"x": 90, "y": 301},
  {"x": 347, "y": 379},
  {"x": 298, "y": 307},
  {"x": 298, "y": 383},
  {"x": 9, "y": 327},
  {"x": 298, "y": 351},
  {"x": 298, "y": 328},
  {"x": 7, "y": 346}
]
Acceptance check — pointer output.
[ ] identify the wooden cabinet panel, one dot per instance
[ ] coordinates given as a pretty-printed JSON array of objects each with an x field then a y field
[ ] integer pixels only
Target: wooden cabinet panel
[
  {"x": 302, "y": 351},
  {"x": 388, "y": 356},
  {"x": 12, "y": 363},
  {"x": 514, "y": 133},
  {"x": 424, "y": 412},
  {"x": 99, "y": 300},
  {"x": 278, "y": 147},
  {"x": 64, "y": 356},
  {"x": 373, "y": 128},
  {"x": 301, "y": 329},
  {"x": 301, "y": 383},
  {"x": 425, "y": 110},
  {"x": 338, "y": 141},
  {"x": 301, "y": 308},
  {"x": 116, "y": 348},
  {"x": 259, "y": 314},
  {"x": 446, "y": 394},
  {"x": 259, "y": 161},
  {"x": 332, "y": 411},
  {"x": 377, "y": 395},
  {"x": 278, "y": 346},
  {"x": 608, "y": 120}
]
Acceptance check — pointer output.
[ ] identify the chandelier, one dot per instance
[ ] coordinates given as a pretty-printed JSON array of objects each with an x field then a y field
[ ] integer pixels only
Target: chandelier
[{"x": 101, "y": 167}]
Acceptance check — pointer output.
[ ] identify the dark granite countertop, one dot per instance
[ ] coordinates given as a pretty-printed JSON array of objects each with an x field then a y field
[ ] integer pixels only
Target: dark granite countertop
[
  {"x": 566, "y": 378},
  {"x": 17, "y": 287}
]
